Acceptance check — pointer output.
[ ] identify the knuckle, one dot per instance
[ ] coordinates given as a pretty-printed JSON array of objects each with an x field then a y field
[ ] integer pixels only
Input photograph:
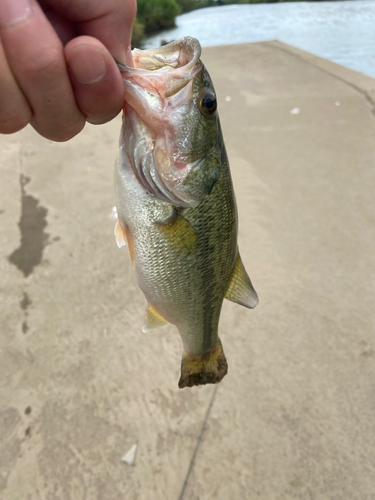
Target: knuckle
[
  {"x": 101, "y": 110},
  {"x": 104, "y": 102},
  {"x": 66, "y": 135},
  {"x": 45, "y": 64},
  {"x": 11, "y": 126},
  {"x": 102, "y": 118},
  {"x": 58, "y": 133},
  {"x": 11, "y": 121}
]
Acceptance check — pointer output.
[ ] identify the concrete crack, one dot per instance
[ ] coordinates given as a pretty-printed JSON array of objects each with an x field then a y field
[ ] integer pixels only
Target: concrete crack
[{"x": 199, "y": 440}]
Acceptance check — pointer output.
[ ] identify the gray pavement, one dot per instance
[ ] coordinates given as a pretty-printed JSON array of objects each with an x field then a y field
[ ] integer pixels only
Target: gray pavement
[{"x": 80, "y": 383}]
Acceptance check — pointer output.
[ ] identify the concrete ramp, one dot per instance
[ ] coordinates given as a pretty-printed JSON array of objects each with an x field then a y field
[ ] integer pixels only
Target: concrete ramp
[{"x": 81, "y": 385}]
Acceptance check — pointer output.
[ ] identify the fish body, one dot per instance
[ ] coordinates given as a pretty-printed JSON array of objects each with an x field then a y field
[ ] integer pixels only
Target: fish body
[{"x": 176, "y": 205}]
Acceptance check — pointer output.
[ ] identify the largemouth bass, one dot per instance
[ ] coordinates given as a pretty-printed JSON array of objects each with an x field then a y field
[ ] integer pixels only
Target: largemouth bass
[{"x": 176, "y": 206}]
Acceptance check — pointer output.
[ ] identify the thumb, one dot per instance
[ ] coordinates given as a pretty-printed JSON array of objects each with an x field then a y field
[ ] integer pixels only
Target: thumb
[{"x": 96, "y": 81}]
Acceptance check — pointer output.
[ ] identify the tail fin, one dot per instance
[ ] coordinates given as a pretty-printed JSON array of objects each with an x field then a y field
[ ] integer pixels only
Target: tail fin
[{"x": 209, "y": 368}]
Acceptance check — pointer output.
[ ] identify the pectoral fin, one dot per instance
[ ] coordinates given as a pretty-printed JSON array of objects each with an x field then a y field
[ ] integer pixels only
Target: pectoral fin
[
  {"x": 153, "y": 319},
  {"x": 180, "y": 234},
  {"x": 120, "y": 235},
  {"x": 240, "y": 289},
  {"x": 123, "y": 237}
]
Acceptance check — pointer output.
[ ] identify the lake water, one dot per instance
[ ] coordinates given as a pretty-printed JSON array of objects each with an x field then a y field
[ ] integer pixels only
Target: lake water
[{"x": 343, "y": 32}]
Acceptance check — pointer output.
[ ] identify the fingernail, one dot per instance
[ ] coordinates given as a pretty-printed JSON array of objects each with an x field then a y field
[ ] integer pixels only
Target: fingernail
[
  {"x": 87, "y": 64},
  {"x": 14, "y": 11}
]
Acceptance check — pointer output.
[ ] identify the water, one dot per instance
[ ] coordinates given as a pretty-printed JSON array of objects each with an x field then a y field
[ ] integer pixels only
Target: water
[{"x": 343, "y": 32}]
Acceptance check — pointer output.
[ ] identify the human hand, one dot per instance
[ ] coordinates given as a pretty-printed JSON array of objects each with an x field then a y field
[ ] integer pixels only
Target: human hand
[{"x": 56, "y": 63}]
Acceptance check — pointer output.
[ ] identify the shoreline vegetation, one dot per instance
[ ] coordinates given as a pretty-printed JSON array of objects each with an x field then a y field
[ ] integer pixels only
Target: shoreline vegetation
[{"x": 154, "y": 16}]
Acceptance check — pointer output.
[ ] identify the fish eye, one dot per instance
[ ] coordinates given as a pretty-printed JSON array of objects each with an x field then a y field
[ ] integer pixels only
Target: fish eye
[{"x": 207, "y": 103}]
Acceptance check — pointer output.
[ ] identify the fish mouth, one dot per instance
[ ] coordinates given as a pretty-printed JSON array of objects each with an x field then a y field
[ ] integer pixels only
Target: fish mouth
[
  {"x": 158, "y": 94},
  {"x": 166, "y": 69}
]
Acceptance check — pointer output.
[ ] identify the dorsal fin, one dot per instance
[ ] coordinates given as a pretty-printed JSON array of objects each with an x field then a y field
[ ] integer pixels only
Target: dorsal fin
[
  {"x": 153, "y": 319},
  {"x": 240, "y": 289}
]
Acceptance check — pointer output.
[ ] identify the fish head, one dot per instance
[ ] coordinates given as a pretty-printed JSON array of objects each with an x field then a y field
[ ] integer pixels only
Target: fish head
[{"x": 171, "y": 132}]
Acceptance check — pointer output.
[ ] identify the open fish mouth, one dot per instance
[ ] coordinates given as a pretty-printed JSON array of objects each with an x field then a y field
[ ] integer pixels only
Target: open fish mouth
[
  {"x": 166, "y": 69},
  {"x": 159, "y": 96}
]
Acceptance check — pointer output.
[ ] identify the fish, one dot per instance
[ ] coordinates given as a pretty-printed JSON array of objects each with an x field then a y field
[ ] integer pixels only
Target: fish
[{"x": 176, "y": 205}]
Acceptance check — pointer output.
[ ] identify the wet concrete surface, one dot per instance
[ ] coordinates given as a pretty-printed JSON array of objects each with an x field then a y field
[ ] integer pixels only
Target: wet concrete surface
[
  {"x": 33, "y": 238},
  {"x": 80, "y": 384}
]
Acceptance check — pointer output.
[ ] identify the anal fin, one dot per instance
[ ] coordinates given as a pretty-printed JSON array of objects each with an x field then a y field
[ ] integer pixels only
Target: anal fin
[
  {"x": 240, "y": 288},
  {"x": 153, "y": 319}
]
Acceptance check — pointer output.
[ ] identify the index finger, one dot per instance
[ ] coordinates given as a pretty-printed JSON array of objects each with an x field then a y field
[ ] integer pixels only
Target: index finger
[
  {"x": 109, "y": 21},
  {"x": 35, "y": 56}
]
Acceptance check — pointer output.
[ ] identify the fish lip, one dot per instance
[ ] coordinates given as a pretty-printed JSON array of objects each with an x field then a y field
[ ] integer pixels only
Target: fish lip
[
  {"x": 156, "y": 55},
  {"x": 171, "y": 73}
]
